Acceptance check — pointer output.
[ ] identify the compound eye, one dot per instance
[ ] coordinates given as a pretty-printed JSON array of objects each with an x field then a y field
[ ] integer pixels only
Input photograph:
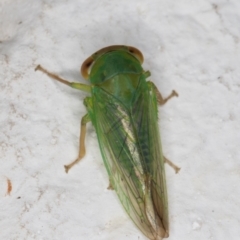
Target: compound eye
[
  {"x": 86, "y": 67},
  {"x": 136, "y": 53}
]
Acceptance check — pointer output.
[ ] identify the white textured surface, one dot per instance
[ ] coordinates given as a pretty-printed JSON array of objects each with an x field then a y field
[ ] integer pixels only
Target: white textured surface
[{"x": 189, "y": 46}]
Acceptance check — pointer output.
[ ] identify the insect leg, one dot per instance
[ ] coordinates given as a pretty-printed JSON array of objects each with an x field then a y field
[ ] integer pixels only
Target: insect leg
[
  {"x": 110, "y": 187},
  {"x": 175, "y": 167},
  {"x": 80, "y": 86},
  {"x": 160, "y": 99},
  {"x": 82, "y": 150}
]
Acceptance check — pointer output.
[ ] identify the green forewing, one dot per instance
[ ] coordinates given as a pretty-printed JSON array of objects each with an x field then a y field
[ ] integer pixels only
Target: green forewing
[{"x": 124, "y": 113}]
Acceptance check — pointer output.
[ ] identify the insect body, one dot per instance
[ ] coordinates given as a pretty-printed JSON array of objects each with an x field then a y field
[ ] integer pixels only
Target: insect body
[{"x": 123, "y": 109}]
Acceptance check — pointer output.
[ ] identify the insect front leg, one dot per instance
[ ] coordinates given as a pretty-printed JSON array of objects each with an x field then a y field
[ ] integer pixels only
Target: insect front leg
[
  {"x": 80, "y": 86},
  {"x": 160, "y": 99},
  {"x": 82, "y": 151}
]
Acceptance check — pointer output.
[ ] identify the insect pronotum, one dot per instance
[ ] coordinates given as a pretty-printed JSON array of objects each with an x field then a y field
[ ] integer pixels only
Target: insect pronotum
[{"x": 122, "y": 107}]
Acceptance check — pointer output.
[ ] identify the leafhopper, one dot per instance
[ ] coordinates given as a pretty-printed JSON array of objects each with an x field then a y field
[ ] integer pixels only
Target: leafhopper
[{"x": 123, "y": 108}]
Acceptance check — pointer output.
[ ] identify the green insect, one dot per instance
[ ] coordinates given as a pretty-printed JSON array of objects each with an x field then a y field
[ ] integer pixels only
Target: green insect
[{"x": 123, "y": 109}]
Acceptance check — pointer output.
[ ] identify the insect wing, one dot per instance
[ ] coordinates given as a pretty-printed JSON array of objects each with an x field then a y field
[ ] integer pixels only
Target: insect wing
[
  {"x": 158, "y": 187},
  {"x": 130, "y": 146}
]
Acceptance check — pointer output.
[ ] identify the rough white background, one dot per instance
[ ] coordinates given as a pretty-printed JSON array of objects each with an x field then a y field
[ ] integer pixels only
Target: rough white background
[{"x": 190, "y": 46}]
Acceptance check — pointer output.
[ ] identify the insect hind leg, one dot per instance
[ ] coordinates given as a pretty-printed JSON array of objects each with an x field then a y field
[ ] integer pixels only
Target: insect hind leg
[{"x": 171, "y": 164}]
